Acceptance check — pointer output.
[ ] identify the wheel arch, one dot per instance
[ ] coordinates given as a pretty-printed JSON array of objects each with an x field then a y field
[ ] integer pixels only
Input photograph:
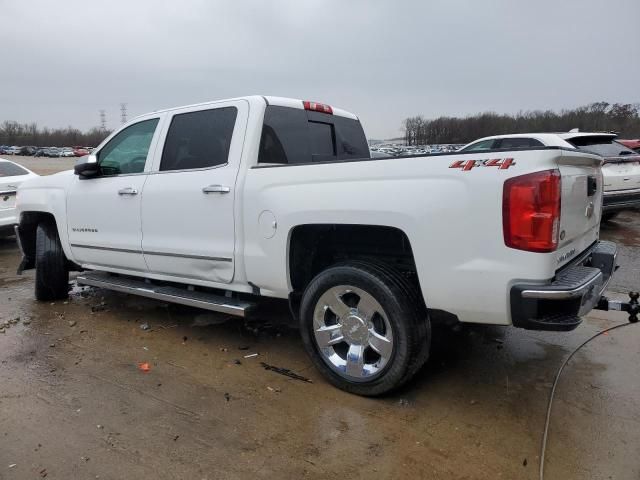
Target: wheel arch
[
  {"x": 27, "y": 226},
  {"x": 313, "y": 247}
]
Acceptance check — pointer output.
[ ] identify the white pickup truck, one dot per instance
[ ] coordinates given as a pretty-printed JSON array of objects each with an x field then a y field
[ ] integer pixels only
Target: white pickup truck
[{"x": 217, "y": 204}]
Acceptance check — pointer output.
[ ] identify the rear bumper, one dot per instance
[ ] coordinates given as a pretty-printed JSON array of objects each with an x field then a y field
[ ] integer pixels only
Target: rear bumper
[
  {"x": 572, "y": 293},
  {"x": 7, "y": 220},
  {"x": 620, "y": 199}
]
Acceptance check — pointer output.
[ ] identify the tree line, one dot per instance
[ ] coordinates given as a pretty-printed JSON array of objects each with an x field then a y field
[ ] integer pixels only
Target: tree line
[
  {"x": 29, "y": 134},
  {"x": 597, "y": 117}
]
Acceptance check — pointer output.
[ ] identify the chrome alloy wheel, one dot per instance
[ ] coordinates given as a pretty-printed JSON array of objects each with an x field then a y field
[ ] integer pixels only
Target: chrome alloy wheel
[{"x": 352, "y": 332}]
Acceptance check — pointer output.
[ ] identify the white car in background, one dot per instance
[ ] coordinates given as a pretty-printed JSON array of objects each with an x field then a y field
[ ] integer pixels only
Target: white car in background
[
  {"x": 11, "y": 176},
  {"x": 620, "y": 170},
  {"x": 67, "y": 152}
]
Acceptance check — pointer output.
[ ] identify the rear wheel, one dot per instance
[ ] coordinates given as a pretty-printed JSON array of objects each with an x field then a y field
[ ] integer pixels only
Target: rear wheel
[
  {"x": 364, "y": 327},
  {"x": 52, "y": 274}
]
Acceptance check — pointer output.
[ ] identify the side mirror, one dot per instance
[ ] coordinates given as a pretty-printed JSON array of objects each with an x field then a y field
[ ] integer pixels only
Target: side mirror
[{"x": 87, "y": 167}]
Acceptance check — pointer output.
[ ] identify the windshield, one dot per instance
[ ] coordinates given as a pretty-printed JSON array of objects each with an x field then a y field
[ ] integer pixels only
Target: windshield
[
  {"x": 8, "y": 169},
  {"x": 603, "y": 146}
]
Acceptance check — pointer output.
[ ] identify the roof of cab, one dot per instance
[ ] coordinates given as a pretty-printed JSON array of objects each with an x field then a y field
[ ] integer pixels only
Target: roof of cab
[
  {"x": 270, "y": 100},
  {"x": 296, "y": 103}
]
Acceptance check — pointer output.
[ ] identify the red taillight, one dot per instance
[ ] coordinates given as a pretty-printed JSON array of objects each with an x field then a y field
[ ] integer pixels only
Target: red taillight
[
  {"x": 317, "y": 107},
  {"x": 531, "y": 211}
]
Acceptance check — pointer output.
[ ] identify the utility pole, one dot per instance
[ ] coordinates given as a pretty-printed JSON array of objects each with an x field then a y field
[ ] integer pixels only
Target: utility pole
[
  {"x": 103, "y": 120},
  {"x": 123, "y": 113}
]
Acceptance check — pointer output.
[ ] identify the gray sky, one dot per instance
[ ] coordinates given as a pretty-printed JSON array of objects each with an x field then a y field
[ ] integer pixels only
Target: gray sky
[{"x": 64, "y": 60}]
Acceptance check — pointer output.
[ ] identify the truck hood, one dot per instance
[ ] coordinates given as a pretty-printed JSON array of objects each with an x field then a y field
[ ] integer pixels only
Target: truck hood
[{"x": 57, "y": 180}]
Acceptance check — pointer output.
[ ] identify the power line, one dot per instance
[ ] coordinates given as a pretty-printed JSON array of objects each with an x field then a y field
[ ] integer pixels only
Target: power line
[{"x": 123, "y": 113}]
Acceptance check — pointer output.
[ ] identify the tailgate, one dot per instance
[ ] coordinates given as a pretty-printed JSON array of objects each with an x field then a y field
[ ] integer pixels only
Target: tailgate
[
  {"x": 581, "y": 203},
  {"x": 621, "y": 173}
]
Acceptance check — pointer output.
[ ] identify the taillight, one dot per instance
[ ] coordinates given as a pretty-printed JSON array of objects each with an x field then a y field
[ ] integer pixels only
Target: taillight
[
  {"x": 317, "y": 107},
  {"x": 531, "y": 211}
]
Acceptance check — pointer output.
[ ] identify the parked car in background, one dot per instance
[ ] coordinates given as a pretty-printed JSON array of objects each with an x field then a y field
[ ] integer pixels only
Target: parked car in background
[
  {"x": 80, "y": 151},
  {"x": 620, "y": 170},
  {"x": 632, "y": 144},
  {"x": 67, "y": 152},
  {"x": 41, "y": 152},
  {"x": 27, "y": 151},
  {"x": 11, "y": 176},
  {"x": 13, "y": 150},
  {"x": 53, "y": 152},
  {"x": 4, "y": 149}
]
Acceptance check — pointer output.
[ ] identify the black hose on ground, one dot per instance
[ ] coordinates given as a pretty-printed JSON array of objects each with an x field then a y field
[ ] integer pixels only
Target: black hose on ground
[{"x": 553, "y": 391}]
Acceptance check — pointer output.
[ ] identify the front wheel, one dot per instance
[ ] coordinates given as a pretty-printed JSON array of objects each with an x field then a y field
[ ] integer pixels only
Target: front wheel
[
  {"x": 365, "y": 327},
  {"x": 52, "y": 274}
]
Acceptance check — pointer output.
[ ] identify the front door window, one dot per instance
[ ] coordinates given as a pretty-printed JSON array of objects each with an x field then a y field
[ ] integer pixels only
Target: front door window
[{"x": 126, "y": 153}]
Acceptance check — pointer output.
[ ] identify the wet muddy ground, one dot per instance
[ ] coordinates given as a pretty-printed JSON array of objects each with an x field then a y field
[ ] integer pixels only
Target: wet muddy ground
[{"x": 74, "y": 402}]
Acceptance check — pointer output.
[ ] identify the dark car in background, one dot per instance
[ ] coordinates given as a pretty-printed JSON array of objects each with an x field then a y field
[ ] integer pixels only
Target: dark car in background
[
  {"x": 27, "y": 151},
  {"x": 53, "y": 152}
]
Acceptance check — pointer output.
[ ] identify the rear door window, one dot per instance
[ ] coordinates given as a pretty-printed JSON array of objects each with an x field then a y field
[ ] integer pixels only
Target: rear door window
[
  {"x": 293, "y": 135},
  {"x": 199, "y": 139}
]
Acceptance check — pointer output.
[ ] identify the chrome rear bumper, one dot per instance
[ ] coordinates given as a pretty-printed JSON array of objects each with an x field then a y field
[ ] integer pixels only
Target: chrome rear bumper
[{"x": 573, "y": 292}]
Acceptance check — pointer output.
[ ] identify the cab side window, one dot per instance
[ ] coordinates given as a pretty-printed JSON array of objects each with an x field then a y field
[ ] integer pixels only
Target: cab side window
[
  {"x": 127, "y": 152},
  {"x": 199, "y": 139}
]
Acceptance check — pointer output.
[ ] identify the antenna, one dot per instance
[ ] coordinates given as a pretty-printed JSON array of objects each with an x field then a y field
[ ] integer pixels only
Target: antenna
[
  {"x": 103, "y": 120},
  {"x": 123, "y": 113}
]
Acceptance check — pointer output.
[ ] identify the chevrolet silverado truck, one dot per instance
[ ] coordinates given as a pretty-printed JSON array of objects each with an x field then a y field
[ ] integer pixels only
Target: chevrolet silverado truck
[{"x": 219, "y": 204}]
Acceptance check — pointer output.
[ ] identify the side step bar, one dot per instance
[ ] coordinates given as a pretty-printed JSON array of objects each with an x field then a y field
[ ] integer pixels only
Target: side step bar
[{"x": 205, "y": 300}]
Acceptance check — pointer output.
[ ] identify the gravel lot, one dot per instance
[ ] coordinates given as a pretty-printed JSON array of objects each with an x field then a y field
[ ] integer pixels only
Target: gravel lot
[{"x": 74, "y": 403}]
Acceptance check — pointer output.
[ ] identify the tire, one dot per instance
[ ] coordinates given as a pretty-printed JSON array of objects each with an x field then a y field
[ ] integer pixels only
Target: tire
[
  {"x": 379, "y": 335},
  {"x": 606, "y": 217},
  {"x": 52, "y": 274}
]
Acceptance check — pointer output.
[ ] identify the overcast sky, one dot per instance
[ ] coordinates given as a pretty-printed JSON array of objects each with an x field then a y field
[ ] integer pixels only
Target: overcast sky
[{"x": 64, "y": 60}]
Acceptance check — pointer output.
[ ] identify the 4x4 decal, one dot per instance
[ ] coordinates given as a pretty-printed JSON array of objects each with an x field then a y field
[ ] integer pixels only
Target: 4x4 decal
[{"x": 501, "y": 163}]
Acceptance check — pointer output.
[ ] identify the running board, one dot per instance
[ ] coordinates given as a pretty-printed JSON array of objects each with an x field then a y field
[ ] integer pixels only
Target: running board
[{"x": 199, "y": 299}]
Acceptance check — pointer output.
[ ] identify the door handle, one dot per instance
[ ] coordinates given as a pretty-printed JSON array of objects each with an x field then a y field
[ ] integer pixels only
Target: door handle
[
  {"x": 127, "y": 191},
  {"x": 216, "y": 189}
]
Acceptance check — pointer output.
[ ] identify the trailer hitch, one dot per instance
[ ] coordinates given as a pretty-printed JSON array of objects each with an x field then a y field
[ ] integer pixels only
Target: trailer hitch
[{"x": 632, "y": 307}]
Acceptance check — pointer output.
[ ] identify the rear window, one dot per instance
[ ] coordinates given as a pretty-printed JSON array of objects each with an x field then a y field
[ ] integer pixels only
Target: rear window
[
  {"x": 504, "y": 143},
  {"x": 292, "y": 135},
  {"x": 518, "y": 142},
  {"x": 603, "y": 146},
  {"x": 11, "y": 170},
  {"x": 479, "y": 146}
]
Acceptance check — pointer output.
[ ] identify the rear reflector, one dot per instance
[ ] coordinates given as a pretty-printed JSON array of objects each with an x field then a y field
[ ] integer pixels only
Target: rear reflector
[
  {"x": 531, "y": 211},
  {"x": 317, "y": 107}
]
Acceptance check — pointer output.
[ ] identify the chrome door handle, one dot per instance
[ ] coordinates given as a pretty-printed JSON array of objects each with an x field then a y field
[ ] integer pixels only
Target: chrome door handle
[
  {"x": 216, "y": 189},
  {"x": 127, "y": 191}
]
